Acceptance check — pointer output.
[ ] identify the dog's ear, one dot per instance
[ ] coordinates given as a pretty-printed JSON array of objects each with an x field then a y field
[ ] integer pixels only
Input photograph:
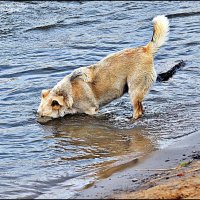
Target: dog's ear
[
  {"x": 57, "y": 102},
  {"x": 45, "y": 93},
  {"x": 67, "y": 97},
  {"x": 69, "y": 101}
]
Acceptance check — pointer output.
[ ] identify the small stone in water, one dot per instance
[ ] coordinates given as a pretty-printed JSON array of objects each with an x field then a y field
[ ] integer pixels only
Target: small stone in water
[{"x": 134, "y": 180}]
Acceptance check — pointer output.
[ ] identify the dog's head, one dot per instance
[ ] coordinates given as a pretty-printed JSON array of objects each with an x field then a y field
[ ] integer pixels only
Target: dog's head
[{"x": 54, "y": 104}]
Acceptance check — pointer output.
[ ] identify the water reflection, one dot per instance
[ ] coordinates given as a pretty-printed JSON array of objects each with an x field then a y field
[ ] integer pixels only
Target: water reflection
[{"x": 95, "y": 144}]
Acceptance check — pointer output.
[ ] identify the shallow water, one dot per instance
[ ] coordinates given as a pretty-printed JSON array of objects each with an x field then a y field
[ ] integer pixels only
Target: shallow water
[{"x": 41, "y": 42}]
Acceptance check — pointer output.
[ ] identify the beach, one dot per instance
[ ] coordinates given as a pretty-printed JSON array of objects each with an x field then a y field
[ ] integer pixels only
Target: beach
[{"x": 172, "y": 172}]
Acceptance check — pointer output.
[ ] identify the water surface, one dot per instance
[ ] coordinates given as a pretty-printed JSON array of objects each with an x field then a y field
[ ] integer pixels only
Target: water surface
[{"x": 40, "y": 43}]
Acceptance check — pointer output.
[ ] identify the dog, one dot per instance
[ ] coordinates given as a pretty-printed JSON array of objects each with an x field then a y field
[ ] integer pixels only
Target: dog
[{"x": 87, "y": 89}]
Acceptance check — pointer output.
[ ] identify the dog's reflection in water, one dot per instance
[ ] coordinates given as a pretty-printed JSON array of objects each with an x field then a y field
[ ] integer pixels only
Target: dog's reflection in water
[{"x": 82, "y": 137}]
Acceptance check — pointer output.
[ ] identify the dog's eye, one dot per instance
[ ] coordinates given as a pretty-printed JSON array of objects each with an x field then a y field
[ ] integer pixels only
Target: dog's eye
[{"x": 55, "y": 103}]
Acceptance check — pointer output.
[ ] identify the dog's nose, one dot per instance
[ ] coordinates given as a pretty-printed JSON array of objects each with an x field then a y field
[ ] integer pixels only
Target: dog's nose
[
  {"x": 39, "y": 114},
  {"x": 43, "y": 119}
]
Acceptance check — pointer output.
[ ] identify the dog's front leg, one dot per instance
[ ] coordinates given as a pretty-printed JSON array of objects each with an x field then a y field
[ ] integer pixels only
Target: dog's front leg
[{"x": 92, "y": 111}]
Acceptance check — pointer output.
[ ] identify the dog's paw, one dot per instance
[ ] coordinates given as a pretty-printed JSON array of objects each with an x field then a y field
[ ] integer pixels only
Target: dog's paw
[
  {"x": 92, "y": 111},
  {"x": 137, "y": 116}
]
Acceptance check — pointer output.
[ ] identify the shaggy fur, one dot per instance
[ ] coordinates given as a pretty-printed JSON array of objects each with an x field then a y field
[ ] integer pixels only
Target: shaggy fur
[{"x": 86, "y": 89}]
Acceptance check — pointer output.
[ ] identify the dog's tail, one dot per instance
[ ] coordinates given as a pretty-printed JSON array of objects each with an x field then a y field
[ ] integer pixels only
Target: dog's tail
[{"x": 160, "y": 33}]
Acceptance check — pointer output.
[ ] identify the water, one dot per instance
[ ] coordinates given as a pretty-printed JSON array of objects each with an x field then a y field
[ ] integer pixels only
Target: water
[{"x": 41, "y": 42}]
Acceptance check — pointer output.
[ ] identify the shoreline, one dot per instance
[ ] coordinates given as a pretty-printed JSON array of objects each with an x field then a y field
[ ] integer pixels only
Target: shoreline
[
  {"x": 136, "y": 178},
  {"x": 176, "y": 183}
]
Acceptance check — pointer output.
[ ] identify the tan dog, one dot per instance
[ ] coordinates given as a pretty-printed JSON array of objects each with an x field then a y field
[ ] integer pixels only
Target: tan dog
[{"x": 86, "y": 89}]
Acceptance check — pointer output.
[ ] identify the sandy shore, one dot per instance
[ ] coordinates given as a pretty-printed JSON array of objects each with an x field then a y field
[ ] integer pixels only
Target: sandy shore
[
  {"x": 179, "y": 183},
  {"x": 172, "y": 172}
]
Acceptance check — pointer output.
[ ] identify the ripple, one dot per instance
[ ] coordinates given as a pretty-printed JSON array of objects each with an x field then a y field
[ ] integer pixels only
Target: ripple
[
  {"x": 184, "y": 14},
  {"x": 43, "y": 27}
]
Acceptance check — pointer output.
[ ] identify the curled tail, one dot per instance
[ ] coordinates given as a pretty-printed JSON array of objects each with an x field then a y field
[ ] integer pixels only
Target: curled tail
[{"x": 160, "y": 33}]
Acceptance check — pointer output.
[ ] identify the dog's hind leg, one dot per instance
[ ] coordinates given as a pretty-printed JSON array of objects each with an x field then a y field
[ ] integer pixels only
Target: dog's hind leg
[
  {"x": 138, "y": 87},
  {"x": 137, "y": 106},
  {"x": 136, "y": 96}
]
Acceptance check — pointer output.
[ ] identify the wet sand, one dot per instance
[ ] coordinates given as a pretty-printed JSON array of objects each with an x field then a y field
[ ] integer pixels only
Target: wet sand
[
  {"x": 179, "y": 179},
  {"x": 178, "y": 183}
]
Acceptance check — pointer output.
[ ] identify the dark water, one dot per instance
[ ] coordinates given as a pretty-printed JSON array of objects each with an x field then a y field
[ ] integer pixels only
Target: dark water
[{"x": 41, "y": 42}]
